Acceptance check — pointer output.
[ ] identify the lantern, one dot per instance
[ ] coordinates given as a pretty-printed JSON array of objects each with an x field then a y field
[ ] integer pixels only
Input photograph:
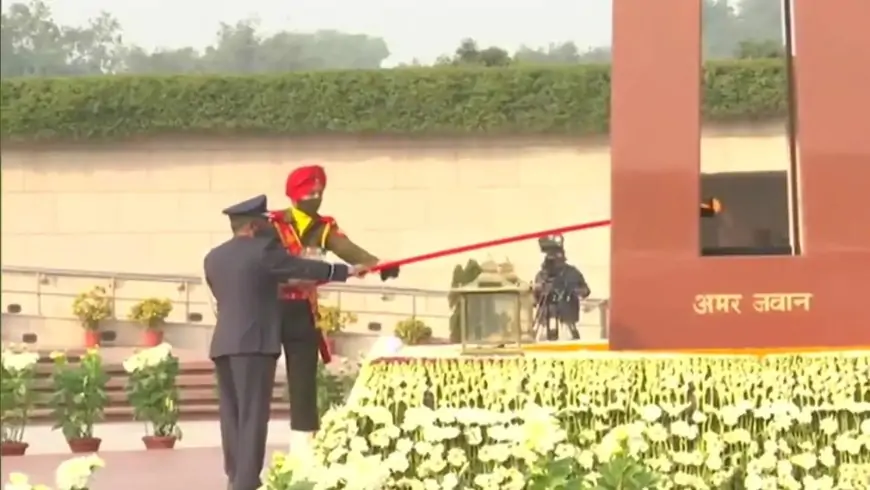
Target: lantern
[{"x": 495, "y": 311}]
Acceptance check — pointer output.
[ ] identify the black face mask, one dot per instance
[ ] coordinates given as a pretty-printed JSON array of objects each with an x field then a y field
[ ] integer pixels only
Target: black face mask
[{"x": 309, "y": 206}]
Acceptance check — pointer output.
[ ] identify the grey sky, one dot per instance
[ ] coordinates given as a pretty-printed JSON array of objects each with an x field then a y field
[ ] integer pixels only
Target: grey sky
[{"x": 423, "y": 29}]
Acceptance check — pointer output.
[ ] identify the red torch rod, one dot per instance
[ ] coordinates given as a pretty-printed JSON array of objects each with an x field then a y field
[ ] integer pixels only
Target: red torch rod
[
  {"x": 490, "y": 243},
  {"x": 326, "y": 355}
]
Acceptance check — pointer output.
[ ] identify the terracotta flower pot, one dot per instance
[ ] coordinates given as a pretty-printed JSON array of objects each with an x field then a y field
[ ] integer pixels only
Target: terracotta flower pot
[
  {"x": 330, "y": 343},
  {"x": 92, "y": 338},
  {"x": 84, "y": 444},
  {"x": 152, "y": 337},
  {"x": 159, "y": 442},
  {"x": 11, "y": 448}
]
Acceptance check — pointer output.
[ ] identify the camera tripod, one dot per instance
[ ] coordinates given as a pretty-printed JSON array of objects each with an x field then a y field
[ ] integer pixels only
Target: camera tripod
[{"x": 548, "y": 325}]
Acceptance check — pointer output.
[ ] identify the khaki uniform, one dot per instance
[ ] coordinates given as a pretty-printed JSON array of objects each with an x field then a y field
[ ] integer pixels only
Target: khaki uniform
[{"x": 301, "y": 340}]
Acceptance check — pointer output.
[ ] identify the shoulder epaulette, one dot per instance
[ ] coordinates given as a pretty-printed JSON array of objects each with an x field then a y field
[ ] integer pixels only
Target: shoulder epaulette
[
  {"x": 276, "y": 216},
  {"x": 329, "y": 220}
]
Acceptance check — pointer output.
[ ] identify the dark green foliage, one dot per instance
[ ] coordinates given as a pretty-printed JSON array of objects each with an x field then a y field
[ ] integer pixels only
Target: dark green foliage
[
  {"x": 621, "y": 472},
  {"x": 417, "y": 101}
]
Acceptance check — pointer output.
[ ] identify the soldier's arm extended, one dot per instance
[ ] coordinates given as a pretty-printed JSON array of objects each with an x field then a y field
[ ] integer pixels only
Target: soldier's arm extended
[
  {"x": 342, "y": 246},
  {"x": 284, "y": 266}
]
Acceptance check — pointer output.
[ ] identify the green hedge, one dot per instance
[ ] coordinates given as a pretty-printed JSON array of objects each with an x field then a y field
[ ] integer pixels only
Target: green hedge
[{"x": 561, "y": 100}]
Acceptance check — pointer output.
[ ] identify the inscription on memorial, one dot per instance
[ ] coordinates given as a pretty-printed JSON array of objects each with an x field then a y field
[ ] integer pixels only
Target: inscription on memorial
[{"x": 717, "y": 304}]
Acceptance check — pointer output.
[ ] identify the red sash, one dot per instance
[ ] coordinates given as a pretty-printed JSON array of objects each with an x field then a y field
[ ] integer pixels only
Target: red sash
[{"x": 291, "y": 241}]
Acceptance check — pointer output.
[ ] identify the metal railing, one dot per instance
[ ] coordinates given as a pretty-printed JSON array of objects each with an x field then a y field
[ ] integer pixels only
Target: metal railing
[
  {"x": 185, "y": 284},
  {"x": 197, "y": 280}
]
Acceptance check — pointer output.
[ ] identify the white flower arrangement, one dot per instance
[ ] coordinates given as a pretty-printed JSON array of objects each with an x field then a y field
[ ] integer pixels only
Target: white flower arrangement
[
  {"x": 75, "y": 473},
  {"x": 697, "y": 422},
  {"x": 72, "y": 474},
  {"x": 147, "y": 358},
  {"x": 152, "y": 389},
  {"x": 18, "y": 361},
  {"x": 16, "y": 392}
]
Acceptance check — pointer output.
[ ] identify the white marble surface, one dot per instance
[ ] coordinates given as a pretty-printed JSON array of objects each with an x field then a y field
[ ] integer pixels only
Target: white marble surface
[{"x": 454, "y": 350}]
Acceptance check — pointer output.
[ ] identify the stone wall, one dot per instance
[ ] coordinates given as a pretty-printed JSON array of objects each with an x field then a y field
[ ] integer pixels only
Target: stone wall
[{"x": 155, "y": 206}]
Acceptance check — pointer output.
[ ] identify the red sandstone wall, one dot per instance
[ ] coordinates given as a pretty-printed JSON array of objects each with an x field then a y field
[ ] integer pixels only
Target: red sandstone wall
[{"x": 657, "y": 273}]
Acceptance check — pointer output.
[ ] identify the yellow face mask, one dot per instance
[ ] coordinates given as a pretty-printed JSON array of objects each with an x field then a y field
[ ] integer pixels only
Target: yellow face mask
[{"x": 304, "y": 222}]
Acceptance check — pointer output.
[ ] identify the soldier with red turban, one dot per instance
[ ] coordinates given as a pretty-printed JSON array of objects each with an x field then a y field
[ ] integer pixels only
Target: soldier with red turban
[{"x": 304, "y": 231}]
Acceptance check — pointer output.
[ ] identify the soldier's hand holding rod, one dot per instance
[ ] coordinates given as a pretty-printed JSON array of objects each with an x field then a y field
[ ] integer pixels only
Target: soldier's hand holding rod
[{"x": 358, "y": 270}]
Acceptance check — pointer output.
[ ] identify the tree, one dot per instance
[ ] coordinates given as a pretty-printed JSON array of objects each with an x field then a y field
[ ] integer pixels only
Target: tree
[
  {"x": 562, "y": 54},
  {"x": 34, "y": 45},
  {"x": 237, "y": 49},
  {"x": 240, "y": 48},
  {"x": 761, "y": 20},
  {"x": 719, "y": 29},
  {"x": 415, "y": 63},
  {"x": 164, "y": 62},
  {"x": 761, "y": 49},
  {"x": 97, "y": 48},
  {"x": 469, "y": 54},
  {"x": 32, "y": 42}
]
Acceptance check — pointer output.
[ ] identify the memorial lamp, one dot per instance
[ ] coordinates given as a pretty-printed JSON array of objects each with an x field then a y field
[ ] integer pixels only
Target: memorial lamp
[{"x": 495, "y": 311}]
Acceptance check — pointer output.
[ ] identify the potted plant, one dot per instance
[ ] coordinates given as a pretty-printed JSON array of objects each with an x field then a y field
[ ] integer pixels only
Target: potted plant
[
  {"x": 92, "y": 307},
  {"x": 16, "y": 399},
  {"x": 152, "y": 390},
  {"x": 413, "y": 332},
  {"x": 331, "y": 320},
  {"x": 79, "y": 398},
  {"x": 151, "y": 313}
]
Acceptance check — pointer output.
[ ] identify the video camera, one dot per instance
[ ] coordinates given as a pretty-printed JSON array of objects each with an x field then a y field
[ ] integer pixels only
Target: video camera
[
  {"x": 552, "y": 244},
  {"x": 555, "y": 291},
  {"x": 553, "y": 248}
]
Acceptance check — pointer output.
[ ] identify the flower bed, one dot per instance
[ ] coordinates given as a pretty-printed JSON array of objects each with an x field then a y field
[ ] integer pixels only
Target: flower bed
[
  {"x": 72, "y": 474},
  {"x": 791, "y": 421}
]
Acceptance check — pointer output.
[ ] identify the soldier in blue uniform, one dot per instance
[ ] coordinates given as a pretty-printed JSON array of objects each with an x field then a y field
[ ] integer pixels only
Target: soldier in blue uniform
[{"x": 243, "y": 274}]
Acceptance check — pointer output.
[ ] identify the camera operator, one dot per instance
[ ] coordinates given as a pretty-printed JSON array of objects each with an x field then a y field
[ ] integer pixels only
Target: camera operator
[{"x": 558, "y": 289}]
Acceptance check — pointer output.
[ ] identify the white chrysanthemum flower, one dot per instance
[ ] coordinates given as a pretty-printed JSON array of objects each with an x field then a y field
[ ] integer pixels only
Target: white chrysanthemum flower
[
  {"x": 149, "y": 357},
  {"x": 19, "y": 361},
  {"x": 75, "y": 473},
  {"x": 18, "y": 481}
]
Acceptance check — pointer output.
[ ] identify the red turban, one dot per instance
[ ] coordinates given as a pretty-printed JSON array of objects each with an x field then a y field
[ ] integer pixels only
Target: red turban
[{"x": 304, "y": 180}]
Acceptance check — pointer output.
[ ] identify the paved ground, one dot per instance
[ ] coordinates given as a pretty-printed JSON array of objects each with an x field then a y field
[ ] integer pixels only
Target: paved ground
[
  {"x": 180, "y": 469},
  {"x": 196, "y": 463}
]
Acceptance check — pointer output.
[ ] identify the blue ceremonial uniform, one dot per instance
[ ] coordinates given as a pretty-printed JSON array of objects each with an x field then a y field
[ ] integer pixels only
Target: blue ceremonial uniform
[{"x": 243, "y": 274}]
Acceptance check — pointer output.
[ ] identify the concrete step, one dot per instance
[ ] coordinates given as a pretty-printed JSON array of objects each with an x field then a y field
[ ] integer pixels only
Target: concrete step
[
  {"x": 196, "y": 381},
  {"x": 185, "y": 380},
  {"x": 280, "y": 411},
  {"x": 44, "y": 369},
  {"x": 189, "y": 396}
]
